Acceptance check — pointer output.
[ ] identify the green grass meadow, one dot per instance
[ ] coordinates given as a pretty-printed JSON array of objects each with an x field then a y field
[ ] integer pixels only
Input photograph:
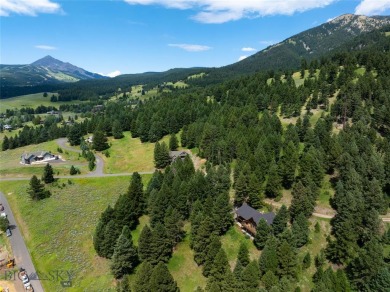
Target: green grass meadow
[
  {"x": 10, "y": 161},
  {"x": 58, "y": 230},
  {"x": 30, "y": 100}
]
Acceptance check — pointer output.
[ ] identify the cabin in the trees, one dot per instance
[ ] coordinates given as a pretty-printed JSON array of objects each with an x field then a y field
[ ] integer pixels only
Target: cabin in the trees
[
  {"x": 41, "y": 156},
  {"x": 177, "y": 155},
  {"x": 7, "y": 127},
  {"x": 248, "y": 218}
]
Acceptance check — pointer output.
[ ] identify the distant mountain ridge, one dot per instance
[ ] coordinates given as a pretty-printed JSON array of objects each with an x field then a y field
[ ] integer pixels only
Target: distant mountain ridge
[
  {"x": 47, "y": 70},
  {"x": 309, "y": 44}
]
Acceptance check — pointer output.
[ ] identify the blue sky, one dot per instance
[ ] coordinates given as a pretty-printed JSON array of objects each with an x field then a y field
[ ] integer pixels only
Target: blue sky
[{"x": 132, "y": 36}]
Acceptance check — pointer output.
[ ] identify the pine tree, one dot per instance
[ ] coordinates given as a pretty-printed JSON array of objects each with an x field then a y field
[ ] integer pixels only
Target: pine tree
[
  {"x": 254, "y": 192},
  {"x": 302, "y": 202},
  {"x": 99, "y": 142},
  {"x": 5, "y": 144},
  {"x": 37, "y": 189},
  {"x": 288, "y": 164},
  {"x": 117, "y": 130},
  {"x": 287, "y": 260},
  {"x": 75, "y": 135},
  {"x": 161, "y": 280},
  {"x": 111, "y": 234},
  {"x": 243, "y": 255},
  {"x": 241, "y": 190},
  {"x": 72, "y": 170},
  {"x": 173, "y": 225},
  {"x": 263, "y": 232},
  {"x": 274, "y": 183},
  {"x": 145, "y": 251},
  {"x": 221, "y": 213},
  {"x": 136, "y": 194},
  {"x": 306, "y": 261},
  {"x": 300, "y": 230},
  {"x": 48, "y": 173},
  {"x": 125, "y": 257},
  {"x": 202, "y": 239},
  {"x": 212, "y": 251},
  {"x": 269, "y": 280},
  {"x": 280, "y": 221},
  {"x": 173, "y": 143},
  {"x": 220, "y": 266},
  {"x": 160, "y": 245},
  {"x": 126, "y": 212},
  {"x": 269, "y": 259},
  {"x": 99, "y": 235},
  {"x": 250, "y": 277},
  {"x": 142, "y": 278}
]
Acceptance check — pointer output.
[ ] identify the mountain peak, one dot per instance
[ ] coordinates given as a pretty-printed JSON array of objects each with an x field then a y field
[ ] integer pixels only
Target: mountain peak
[{"x": 46, "y": 61}]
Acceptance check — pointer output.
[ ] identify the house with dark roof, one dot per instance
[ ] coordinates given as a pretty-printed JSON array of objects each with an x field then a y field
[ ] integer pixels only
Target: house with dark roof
[
  {"x": 177, "y": 154},
  {"x": 40, "y": 156},
  {"x": 249, "y": 218}
]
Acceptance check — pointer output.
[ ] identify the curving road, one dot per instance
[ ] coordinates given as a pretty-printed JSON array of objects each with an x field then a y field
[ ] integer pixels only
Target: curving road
[
  {"x": 98, "y": 171},
  {"x": 19, "y": 248}
]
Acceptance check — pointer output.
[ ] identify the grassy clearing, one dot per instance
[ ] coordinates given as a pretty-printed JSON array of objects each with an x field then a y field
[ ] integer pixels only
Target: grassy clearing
[
  {"x": 195, "y": 76},
  {"x": 129, "y": 155},
  {"x": 58, "y": 231},
  {"x": 10, "y": 161},
  {"x": 30, "y": 100},
  {"x": 326, "y": 193},
  {"x": 387, "y": 33},
  {"x": 231, "y": 242},
  {"x": 183, "y": 268},
  {"x": 317, "y": 241}
]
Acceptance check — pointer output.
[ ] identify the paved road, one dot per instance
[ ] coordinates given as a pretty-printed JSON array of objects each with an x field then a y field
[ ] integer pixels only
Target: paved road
[
  {"x": 98, "y": 171},
  {"x": 19, "y": 248}
]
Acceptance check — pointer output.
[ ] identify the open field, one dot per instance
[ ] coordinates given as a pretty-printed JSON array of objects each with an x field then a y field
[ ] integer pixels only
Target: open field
[
  {"x": 58, "y": 231},
  {"x": 183, "y": 268},
  {"x": 30, "y": 100},
  {"x": 10, "y": 166},
  {"x": 129, "y": 155}
]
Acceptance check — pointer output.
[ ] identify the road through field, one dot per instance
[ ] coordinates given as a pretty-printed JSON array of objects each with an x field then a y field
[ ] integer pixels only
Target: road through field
[{"x": 19, "y": 248}]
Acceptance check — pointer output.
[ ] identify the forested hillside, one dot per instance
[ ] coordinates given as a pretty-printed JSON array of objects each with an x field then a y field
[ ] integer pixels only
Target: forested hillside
[
  {"x": 320, "y": 134},
  {"x": 274, "y": 137}
]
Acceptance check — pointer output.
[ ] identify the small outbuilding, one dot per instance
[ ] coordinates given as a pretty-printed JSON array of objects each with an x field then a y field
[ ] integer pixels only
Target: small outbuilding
[{"x": 177, "y": 155}]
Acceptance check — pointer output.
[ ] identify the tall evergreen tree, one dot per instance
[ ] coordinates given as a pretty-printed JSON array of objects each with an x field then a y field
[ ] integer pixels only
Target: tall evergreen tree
[
  {"x": 111, "y": 234},
  {"x": 241, "y": 190},
  {"x": 5, "y": 144},
  {"x": 37, "y": 189},
  {"x": 250, "y": 277},
  {"x": 173, "y": 142},
  {"x": 162, "y": 280},
  {"x": 254, "y": 186},
  {"x": 99, "y": 142},
  {"x": 212, "y": 251},
  {"x": 221, "y": 213},
  {"x": 274, "y": 183},
  {"x": 269, "y": 259},
  {"x": 220, "y": 267},
  {"x": 117, "y": 130},
  {"x": 243, "y": 254},
  {"x": 125, "y": 257},
  {"x": 288, "y": 164},
  {"x": 136, "y": 194},
  {"x": 287, "y": 260},
  {"x": 280, "y": 221},
  {"x": 300, "y": 230},
  {"x": 263, "y": 232},
  {"x": 145, "y": 251},
  {"x": 48, "y": 173},
  {"x": 142, "y": 278},
  {"x": 99, "y": 234}
]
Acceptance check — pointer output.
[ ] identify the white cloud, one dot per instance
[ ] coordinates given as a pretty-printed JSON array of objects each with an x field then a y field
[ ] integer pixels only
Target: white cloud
[
  {"x": 191, "y": 48},
  {"x": 212, "y": 11},
  {"x": 248, "y": 49},
  {"x": 242, "y": 58},
  {"x": 45, "y": 47},
  {"x": 372, "y": 7},
  {"x": 112, "y": 74},
  {"x": 28, "y": 7}
]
